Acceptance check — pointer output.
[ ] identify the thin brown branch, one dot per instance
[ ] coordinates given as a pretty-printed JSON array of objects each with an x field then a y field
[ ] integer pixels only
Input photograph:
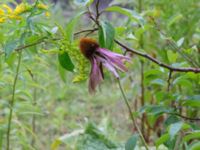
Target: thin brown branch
[
  {"x": 185, "y": 117},
  {"x": 88, "y": 30},
  {"x": 189, "y": 69},
  {"x": 142, "y": 98},
  {"x": 97, "y": 9},
  {"x": 169, "y": 80},
  {"x": 30, "y": 45}
]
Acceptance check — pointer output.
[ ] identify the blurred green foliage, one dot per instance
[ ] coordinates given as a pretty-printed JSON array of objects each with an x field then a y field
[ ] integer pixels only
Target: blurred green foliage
[{"x": 52, "y": 112}]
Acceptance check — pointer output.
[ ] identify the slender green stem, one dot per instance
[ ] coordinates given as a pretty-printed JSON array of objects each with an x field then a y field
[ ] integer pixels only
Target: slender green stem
[
  {"x": 34, "y": 116},
  {"x": 139, "y": 6},
  {"x": 12, "y": 101},
  {"x": 142, "y": 99},
  {"x": 131, "y": 115}
]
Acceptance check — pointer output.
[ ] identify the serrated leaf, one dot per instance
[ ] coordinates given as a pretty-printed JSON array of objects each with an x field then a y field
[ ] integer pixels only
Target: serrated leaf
[
  {"x": 65, "y": 61},
  {"x": 131, "y": 143},
  {"x": 106, "y": 35}
]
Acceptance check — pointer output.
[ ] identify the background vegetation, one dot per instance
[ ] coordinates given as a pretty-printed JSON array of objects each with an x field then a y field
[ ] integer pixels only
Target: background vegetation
[{"x": 44, "y": 99}]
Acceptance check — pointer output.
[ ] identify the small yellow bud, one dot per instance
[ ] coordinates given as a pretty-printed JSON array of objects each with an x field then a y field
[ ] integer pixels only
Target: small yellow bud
[
  {"x": 2, "y": 20},
  {"x": 42, "y": 6},
  {"x": 47, "y": 14},
  {"x": 1, "y": 12}
]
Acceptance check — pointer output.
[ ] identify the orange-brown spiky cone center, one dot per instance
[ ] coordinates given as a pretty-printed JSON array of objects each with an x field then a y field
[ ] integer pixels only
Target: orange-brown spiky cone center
[{"x": 88, "y": 46}]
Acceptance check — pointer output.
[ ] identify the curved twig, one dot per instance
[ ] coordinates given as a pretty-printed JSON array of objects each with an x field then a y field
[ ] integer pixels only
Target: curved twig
[
  {"x": 195, "y": 70},
  {"x": 185, "y": 117}
]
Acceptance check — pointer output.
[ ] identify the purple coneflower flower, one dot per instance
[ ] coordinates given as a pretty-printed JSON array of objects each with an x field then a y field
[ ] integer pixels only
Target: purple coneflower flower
[{"x": 98, "y": 58}]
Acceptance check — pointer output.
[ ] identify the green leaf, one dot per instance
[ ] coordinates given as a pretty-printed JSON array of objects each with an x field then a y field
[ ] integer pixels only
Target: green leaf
[
  {"x": 129, "y": 13},
  {"x": 1, "y": 137},
  {"x": 131, "y": 143},
  {"x": 192, "y": 103},
  {"x": 193, "y": 135},
  {"x": 62, "y": 73},
  {"x": 10, "y": 60},
  {"x": 84, "y": 2},
  {"x": 164, "y": 138},
  {"x": 71, "y": 26},
  {"x": 174, "y": 19},
  {"x": 158, "y": 82},
  {"x": 172, "y": 57},
  {"x": 66, "y": 138},
  {"x": 195, "y": 146},
  {"x": 55, "y": 144},
  {"x": 157, "y": 109},
  {"x": 183, "y": 81},
  {"x": 65, "y": 61},
  {"x": 180, "y": 41},
  {"x": 106, "y": 35},
  {"x": 174, "y": 129},
  {"x": 94, "y": 139},
  {"x": 10, "y": 47}
]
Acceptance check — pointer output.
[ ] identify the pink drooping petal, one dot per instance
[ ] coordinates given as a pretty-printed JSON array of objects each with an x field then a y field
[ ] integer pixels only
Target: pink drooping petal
[
  {"x": 95, "y": 75},
  {"x": 108, "y": 53},
  {"x": 108, "y": 65},
  {"x": 110, "y": 60},
  {"x": 114, "y": 59},
  {"x": 117, "y": 62}
]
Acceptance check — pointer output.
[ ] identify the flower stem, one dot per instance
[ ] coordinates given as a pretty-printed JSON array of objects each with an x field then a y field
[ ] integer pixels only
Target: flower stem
[
  {"x": 12, "y": 101},
  {"x": 34, "y": 116},
  {"x": 131, "y": 115}
]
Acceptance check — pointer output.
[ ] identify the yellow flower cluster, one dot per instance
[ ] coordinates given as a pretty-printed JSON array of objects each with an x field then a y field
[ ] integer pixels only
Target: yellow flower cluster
[
  {"x": 6, "y": 12},
  {"x": 21, "y": 8},
  {"x": 80, "y": 62},
  {"x": 42, "y": 6}
]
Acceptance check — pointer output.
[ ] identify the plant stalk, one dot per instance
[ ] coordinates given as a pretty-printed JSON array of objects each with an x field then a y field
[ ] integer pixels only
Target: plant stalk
[
  {"x": 34, "y": 116},
  {"x": 131, "y": 115},
  {"x": 12, "y": 101},
  {"x": 142, "y": 98}
]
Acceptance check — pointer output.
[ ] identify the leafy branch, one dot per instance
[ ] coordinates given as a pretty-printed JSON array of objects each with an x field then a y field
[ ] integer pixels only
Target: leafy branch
[
  {"x": 170, "y": 68},
  {"x": 175, "y": 69}
]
